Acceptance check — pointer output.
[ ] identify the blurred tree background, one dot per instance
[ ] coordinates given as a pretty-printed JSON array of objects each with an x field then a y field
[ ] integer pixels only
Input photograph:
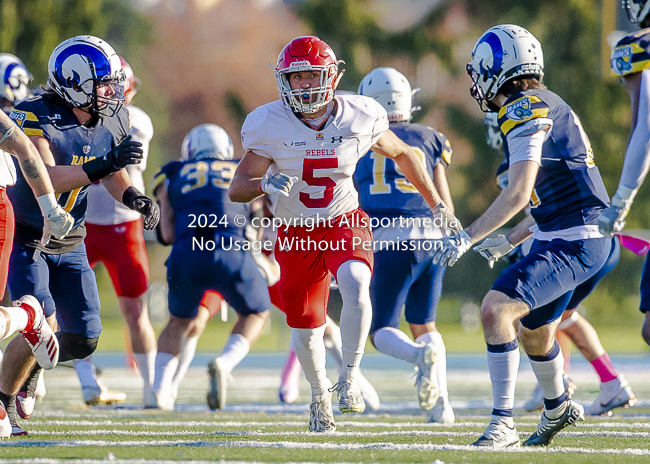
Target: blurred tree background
[{"x": 571, "y": 32}]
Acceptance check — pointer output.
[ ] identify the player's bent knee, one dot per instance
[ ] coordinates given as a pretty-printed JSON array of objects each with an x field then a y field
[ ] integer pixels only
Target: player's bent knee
[{"x": 75, "y": 346}]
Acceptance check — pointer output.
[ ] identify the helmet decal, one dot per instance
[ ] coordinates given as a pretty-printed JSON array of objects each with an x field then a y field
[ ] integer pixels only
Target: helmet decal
[{"x": 490, "y": 54}]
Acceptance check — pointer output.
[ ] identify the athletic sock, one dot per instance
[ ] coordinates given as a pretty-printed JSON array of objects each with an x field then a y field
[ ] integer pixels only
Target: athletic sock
[
  {"x": 548, "y": 369},
  {"x": 145, "y": 363},
  {"x": 166, "y": 364},
  {"x": 604, "y": 368},
  {"x": 435, "y": 338},
  {"x": 185, "y": 357},
  {"x": 234, "y": 351},
  {"x": 503, "y": 364},
  {"x": 333, "y": 343},
  {"x": 86, "y": 372},
  {"x": 395, "y": 343},
  {"x": 310, "y": 350},
  {"x": 12, "y": 319}
]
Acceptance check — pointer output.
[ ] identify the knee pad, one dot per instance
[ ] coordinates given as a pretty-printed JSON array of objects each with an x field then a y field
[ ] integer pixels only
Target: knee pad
[{"x": 75, "y": 346}]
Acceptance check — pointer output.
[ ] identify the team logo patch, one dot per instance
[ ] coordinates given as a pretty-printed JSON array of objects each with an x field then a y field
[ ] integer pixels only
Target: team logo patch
[
  {"x": 18, "y": 117},
  {"x": 86, "y": 149},
  {"x": 621, "y": 61},
  {"x": 319, "y": 136},
  {"x": 519, "y": 110}
]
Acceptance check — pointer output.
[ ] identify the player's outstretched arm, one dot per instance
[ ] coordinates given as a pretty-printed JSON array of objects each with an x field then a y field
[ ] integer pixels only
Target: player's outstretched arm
[
  {"x": 58, "y": 222},
  {"x": 247, "y": 185},
  {"x": 442, "y": 185},
  {"x": 121, "y": 188},
  {"x": 495, "y": 248}
]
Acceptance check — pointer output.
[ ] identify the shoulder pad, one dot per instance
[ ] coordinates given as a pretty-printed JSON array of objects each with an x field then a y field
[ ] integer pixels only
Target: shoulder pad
[
  {"x": 631, "y": 54},
  {"x": 522, "y": 109},
  {"x": 25, "y": 115}
]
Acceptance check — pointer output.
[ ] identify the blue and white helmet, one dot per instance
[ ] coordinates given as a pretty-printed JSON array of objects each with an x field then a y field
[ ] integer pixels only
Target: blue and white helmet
[
  {"x": 15, "y": 79},
  {"x": 207, "y": 141},
  {"x": 392, "y": 90},
  {"x": 503, "y": 53},
  {"x": 78, "y": 66},
  {"x": 637, "y": 10}
]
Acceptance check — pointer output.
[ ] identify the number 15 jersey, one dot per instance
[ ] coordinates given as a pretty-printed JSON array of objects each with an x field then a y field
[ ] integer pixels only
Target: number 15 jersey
[{"x": 322, "y": 160}]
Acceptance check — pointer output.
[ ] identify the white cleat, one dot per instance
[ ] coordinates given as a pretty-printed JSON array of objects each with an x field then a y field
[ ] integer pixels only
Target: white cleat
[
  {"x": 40, "y": 391},
  {"x": 442, "y": 412},
  {"x": 163, "y": 401},
  {"x": 38, "y": 333},
  {"x": 621, "y": 395},
  {"x": 368, "y": 392},
  {"x": 321, "y": 417},
  {"x": 426, "y": 380},
  {"x": 219, "y": 378},
  {"x": 536, "y": 400},
  {"x": 350, "y": 399},
  {"x": 498, "y": 434},
  {"x": 147, "y": 397},
  {"x": 5, "y": 424},
  {"x": 100, "y": 395},
  {"x": 25, "y": 404}
]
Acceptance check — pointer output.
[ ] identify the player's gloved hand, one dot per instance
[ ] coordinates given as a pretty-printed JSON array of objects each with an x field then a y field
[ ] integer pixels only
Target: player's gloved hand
[
  {"x": 278, "y": 183},
  {"x": 452, "y": 249},
  {"x": 143, "y": 205},
  {"x": 494, "y": 248},
  {"x": 612, "y": 218},
  {"x": 57, "y": 221},
  {"x": 443, "y": 217},
  {"x": 126, "y": 153}
]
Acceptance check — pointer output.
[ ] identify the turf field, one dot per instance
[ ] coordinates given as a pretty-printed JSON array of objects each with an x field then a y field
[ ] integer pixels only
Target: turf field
[{"x": 256, "y": 427}]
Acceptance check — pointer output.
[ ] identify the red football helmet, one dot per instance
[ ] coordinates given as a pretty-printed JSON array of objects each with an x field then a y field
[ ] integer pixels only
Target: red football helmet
[
  {"x": 133, "y": 83},
  {"x": 307, "y": 53}
]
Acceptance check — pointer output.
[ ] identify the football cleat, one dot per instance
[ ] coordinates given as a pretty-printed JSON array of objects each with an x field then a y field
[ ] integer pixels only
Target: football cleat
[
  {"x": 623, "y": 396},
  {"x": 18, "y": 431},
  {"x": 25, "y": 404},
  {"x": 5, "y": 423},
  {"x": 426, "y": 380},
  {"x": 536, "y": 400},
  {"x": 321, "y": 417},
  {"x": 219, "y": 379},
  {"x": 147, "y": 397},
  {"x": 498, "y": 434},
  {"x": 370, "y": 396},
  {"x": 442, "y": 412},
  {"x": 548, "y": 428},
  {"x": 38, "y": 333},
  {"x": 101, "y": 395},
  {"x": 163, "y": 401},
  {"x": 350, "y": 399}
]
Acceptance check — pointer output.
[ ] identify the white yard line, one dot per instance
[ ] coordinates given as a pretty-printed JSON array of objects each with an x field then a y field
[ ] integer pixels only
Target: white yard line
[{"x": 316, "y": 445}]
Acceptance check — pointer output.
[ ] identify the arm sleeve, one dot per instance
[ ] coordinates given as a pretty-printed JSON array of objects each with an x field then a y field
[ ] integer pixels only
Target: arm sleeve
[
  {"x": 637, "y": 156},
  {"x": 525, "y": 143}
]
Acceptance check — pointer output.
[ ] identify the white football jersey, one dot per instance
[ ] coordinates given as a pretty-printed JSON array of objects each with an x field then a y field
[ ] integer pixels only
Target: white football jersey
[
  {"x": 323, "y": 161},
  {"x": 103, "y": 209},
  {"x": 7, "y": 169}
]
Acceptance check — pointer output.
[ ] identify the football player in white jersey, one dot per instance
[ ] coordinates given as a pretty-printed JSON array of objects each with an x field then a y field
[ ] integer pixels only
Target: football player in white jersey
[
  {"x": 114, "y": 237},
  {"x": 305, "y": 147}
]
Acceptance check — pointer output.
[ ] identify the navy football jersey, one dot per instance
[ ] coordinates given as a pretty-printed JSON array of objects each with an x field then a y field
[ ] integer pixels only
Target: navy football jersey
[
  {"x": 383, "y": 189},
  {"x": 71, "y": 143},
  {"x": 198, "y": 194},
  {"x": 569, "y": 191}
]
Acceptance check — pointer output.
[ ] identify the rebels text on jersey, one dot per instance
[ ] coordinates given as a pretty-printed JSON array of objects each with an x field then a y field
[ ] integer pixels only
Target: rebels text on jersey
[
  {"x": 198, "y": 194},
  {"x": 71, "y": 143},
  {"x": 324, "y": 161},
  {"x": 569, "y": 191},
  {"x": 383, "y": 189}
]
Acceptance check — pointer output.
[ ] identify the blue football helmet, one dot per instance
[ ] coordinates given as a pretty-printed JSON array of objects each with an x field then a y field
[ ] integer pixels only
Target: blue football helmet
[
  {"x": 15, "y": 80},
  {"x": 503, "y": 53},
  {"x": 76, "y": 69}
]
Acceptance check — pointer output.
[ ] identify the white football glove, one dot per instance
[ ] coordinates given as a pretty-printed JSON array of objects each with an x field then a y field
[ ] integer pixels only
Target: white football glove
[
  {"x": 58, "y": 222},
  {"x": 452, "y": 248},
  {"x": 612, "y": 218},
  {"x": 443, "y": 217},
  {"x": 278, "y": 183},
  {"x": 494, "y": 248}
]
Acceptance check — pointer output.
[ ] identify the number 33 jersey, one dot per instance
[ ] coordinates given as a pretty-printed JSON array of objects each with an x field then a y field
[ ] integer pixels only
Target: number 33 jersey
[{"x": 322, "y": 160}]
